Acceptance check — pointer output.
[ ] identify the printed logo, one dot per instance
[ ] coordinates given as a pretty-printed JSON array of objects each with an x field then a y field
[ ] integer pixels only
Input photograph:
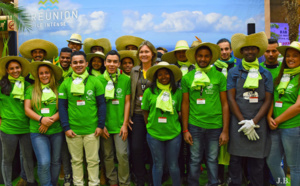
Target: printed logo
[
  {"x": 48, "y": 4},
  {"x": 89, "y": 95},
  {"x": 89, "y": 92},
  {"x": 119, "y": 90}
]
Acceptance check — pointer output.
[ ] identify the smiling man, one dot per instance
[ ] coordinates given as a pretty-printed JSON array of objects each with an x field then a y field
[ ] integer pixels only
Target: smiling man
[
  {"x": 205, "y": 111},
  {"x": 128, "y": 60},
  {"x": 249, "y": 89},
  {"x": 117, "y": 95},
  {"x": 226, "y": 60},
  {"x": 65, "y": 62},
  {"x": 82, "y": 113}
]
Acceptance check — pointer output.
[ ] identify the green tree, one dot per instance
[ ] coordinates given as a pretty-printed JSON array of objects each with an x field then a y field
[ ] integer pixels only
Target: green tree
[{"x": 18, "y": 15}]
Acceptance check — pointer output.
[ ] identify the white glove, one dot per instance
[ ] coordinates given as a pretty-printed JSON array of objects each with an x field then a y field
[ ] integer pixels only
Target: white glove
[
  {"x": 253, "y": 136},
  {"x": 248, "y": 125}
]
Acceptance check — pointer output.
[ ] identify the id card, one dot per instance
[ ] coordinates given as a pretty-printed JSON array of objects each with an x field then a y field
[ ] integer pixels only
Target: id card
[
  {"x": 115, "y": 102},
  {"x": 45, "y": 110},
  {"x": 253, "y": 99},
  {"x": 200, "y": 101},
  {"x": 278, "y": 104},
  {"x": 80, "y": 102},
  {"x": 141, "y": 98},
  {"x": 162, "y": 120}
]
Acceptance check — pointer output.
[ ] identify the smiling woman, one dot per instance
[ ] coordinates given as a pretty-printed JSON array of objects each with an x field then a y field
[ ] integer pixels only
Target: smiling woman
[{"x": 14, "y": 127}]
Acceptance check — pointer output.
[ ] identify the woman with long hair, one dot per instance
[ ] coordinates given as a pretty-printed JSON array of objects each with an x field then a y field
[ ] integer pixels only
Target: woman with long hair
[
  {"x": 284, "y": 116},
  {"x": 161, "y": 106},
  {"x": 41, "y": 106},
  {"x": 147, "y": 56},
  {"x": 14, "y": 127}
]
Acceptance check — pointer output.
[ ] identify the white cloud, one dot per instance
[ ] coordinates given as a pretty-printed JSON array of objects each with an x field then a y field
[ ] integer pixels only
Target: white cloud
[
  {"x": 133, "y": 22},
  {"x": 185, "y": 21}
]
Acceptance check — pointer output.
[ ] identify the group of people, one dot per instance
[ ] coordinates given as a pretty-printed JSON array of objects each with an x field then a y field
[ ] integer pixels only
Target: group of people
[{"x": 190, "y": 106}]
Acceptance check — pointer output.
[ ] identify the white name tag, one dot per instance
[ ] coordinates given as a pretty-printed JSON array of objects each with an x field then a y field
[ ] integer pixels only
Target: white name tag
[
  {"x": 115, "y": 102},
  {"x": 162, "y": 120},
  {"x": 141, "y": 98},
  {"x": 278, "y": 104},
  {"x": 200, "y": 101},
  {"x": 253, "y": 100},
  {"x": 45, "y": 110},
  {"x": 80, "y": 102},
  {"x": 60, "y": 94}
]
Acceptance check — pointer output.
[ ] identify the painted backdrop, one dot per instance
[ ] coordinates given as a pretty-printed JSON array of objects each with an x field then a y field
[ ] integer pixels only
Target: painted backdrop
[{"x": 161, "y": 22}]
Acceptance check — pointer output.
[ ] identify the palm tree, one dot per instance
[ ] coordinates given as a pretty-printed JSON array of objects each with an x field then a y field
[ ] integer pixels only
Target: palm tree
[{"x": 18, "y": 15}]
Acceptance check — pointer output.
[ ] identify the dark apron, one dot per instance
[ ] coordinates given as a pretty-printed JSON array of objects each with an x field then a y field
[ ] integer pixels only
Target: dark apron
[{"x": 239, "y": 145}]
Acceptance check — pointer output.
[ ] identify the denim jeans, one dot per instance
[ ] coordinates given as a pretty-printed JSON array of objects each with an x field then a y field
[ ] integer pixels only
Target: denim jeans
[
  {"x": 9, "y": 146},
  {"x": 165, "y": 151},
  {"x": 47, "y": 151},
  {"x": 285, "y": 141},
  {"x": 204, "y": 141}
]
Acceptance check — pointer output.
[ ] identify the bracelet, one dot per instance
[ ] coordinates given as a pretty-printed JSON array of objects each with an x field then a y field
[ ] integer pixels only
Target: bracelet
[
  {"x": 185, "y": 131},
  {"x": 41, "y": 119}
]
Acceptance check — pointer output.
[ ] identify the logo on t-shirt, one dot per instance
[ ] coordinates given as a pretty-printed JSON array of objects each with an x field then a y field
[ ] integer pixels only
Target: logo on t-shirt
[
  {"x": 209, "y": 89},
  {"x": 289, "y": 89},
  {"x": 119, "y": 93},
  {"x": 89, "y": 95}
]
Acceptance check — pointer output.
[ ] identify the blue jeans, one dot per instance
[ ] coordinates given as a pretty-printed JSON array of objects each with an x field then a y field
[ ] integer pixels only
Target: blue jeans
[
  {"x": 9, "y": 146},
  {"x": 165, "y": 151},
  {"x": 285, "y": 141},
  {"x": 47, "y": 151},
  {"x": 205, "y": 141}
]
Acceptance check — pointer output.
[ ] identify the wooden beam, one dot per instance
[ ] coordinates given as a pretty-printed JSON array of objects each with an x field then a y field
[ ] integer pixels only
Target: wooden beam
[{"x": 267, "y": 18}]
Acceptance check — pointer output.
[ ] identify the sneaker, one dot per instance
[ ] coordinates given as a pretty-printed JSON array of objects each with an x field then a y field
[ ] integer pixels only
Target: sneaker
[
  {"x": 22, "y": 182},
  {"x": 68, "y": 180}
]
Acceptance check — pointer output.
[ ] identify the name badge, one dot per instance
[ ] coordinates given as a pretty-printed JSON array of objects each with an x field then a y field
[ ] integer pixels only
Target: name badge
[
  {"x": 162, "y": 120},
  {"x": 200, "y": 101},
  {"x": 115, "y": 102},
  {"x": 141, "y": 98},
  {"x": 278, "y": 104},
  {"x": 45, "y": 110},
  {"x": 253, "y": 100},
  {"x": 80, "y": 102}
]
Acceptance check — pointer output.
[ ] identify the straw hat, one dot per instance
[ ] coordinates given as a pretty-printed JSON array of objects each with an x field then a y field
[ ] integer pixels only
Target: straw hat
[
  {"x": 170, "y": 56},
  {"x": 123, "y": 41},
  {"x": 176, "y": 71},
  {"x": 32, "y": 44},
  {"x": 238, "y": 41},
  {"x": 215, "y": 50},
  {"x": 75, "y": 38},
  {"x": 24, "y": 63},
  {"x": 129, "y": 53},
  {"x": 90, "y": 42},
  {"x": 90, "y": 56},
  {"x": 295, "y": 45},
  {"x": 56, "y": 70},
  {"x": 195, "y": 43}
]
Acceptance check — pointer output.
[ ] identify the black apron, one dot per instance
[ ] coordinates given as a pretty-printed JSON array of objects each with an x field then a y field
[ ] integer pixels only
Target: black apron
[{"x": 239, "y": 145}]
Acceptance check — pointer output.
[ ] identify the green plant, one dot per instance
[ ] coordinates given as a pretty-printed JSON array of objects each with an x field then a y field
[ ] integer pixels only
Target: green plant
[
  {"x": 5, "y": 51},
  {"x": 18, "y": 15}
]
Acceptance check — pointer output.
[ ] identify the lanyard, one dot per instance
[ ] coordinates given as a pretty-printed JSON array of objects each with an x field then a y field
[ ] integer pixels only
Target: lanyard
[
  {"x": 201, "y": 91},
  {"x": 143, "y": 83}
]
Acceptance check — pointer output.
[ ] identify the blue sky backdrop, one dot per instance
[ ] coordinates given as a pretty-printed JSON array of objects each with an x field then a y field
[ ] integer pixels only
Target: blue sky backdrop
[{"x": 161, "y": 22}]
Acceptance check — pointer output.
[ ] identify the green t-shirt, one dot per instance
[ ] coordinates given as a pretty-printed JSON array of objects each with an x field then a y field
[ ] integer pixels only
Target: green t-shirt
[
  {"x": 14, "y": 120},
  {"x": 288, "y": 99},
  {"x": 162, "y": 131},
  {"x": 82, "y": 110},
  {"x": 208, "y": 115},
  {"x": 115, "y": 108},
  {"x": 48, "y": 111},
  {"x": 274, "y": 71}
]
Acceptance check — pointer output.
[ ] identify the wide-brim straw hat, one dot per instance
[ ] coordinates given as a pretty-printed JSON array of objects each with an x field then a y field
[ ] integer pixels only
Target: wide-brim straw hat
[
  {"x": 175, "y": 70},
  {"x": 294, "y": 45},
  {"x": 131, "y": 54},
  {"x": 215, "y": 50},
  {"x": 170, "y": 56},
  {"x": 90, "y": 42},
  {"x": 195, "y": 43},
  {"x": 90, "y": 56},
  {"x": 238, "y": 41},
  {"x": 126, "y": 40},
  {"x": 56, "y": 70},
  {"x": 32, "y": 44},
  {"x": 75, "y": 38},
  {"x": 25, "y": 64}
]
